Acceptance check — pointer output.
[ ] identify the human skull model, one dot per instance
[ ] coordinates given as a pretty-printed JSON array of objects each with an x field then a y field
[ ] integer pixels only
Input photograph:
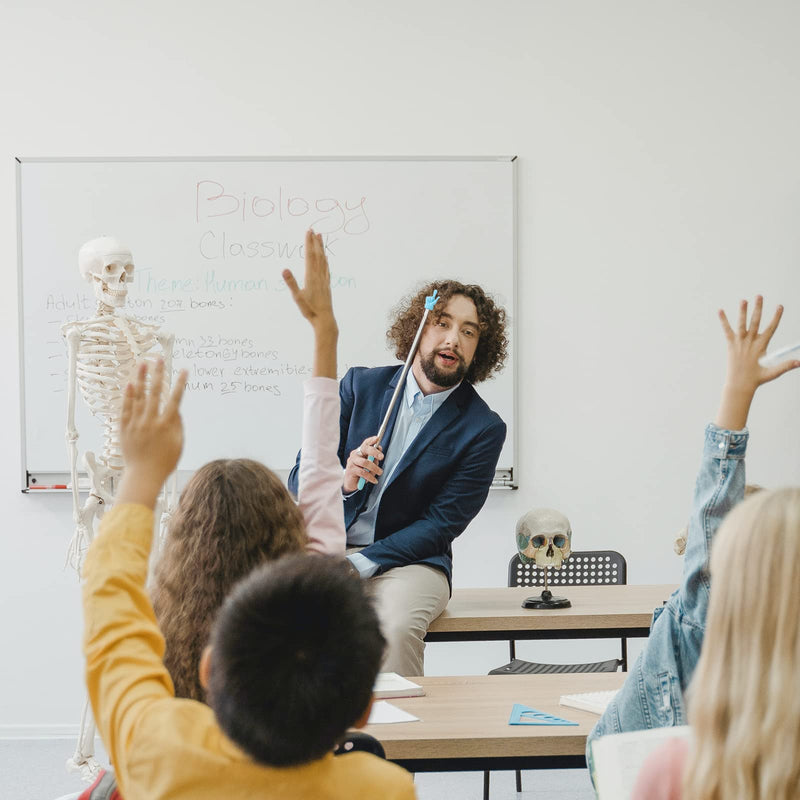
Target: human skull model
[
  {"x": 544, "y": 536},
  {"x": 108, "y": 265}
]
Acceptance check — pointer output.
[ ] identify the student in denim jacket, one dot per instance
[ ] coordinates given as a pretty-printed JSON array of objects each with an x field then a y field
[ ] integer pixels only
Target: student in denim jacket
[{"x": 653, "y": 694}]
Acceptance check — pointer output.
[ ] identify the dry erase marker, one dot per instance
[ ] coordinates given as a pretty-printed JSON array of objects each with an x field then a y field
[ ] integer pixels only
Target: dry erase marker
[
  {"x": 54, "y": 486},
  {"x": 784, "y": 354}
]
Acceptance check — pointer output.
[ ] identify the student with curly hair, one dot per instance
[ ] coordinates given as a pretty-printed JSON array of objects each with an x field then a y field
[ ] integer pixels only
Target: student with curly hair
[
  {"x": 235, "y": 514},
  {"x": 433, "y": 469}
]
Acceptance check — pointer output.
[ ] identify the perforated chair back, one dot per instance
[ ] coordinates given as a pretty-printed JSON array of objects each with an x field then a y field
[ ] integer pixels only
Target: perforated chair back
[{"x": 582, "y": 568}]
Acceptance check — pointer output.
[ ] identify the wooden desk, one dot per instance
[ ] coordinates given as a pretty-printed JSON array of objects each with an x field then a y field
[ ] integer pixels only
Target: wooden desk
[
  {"x": 597, "y": 612},
  {"x": 464, "y": 723}
]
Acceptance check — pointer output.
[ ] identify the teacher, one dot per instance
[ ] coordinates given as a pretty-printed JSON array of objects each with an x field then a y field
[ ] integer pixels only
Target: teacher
[{"x": 435, "y": 465}]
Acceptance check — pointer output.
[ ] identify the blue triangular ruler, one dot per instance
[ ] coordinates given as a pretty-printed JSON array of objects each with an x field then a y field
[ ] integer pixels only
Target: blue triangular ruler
[{"x": 522, "y": 715}]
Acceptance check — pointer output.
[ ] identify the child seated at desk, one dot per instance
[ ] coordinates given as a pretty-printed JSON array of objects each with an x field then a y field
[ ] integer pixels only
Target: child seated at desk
[
  {"x": 744, "y": 708},
  {"x": 236, "y": 514},
  {"x": 281, "y": 695},
  {"x": 739, "y": 699}
]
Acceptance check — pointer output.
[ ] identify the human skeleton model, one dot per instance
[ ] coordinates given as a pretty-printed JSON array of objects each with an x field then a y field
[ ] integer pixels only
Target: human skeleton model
[
  {"x": 544, "y": 537},
  {"x": 103, "y": 354}
]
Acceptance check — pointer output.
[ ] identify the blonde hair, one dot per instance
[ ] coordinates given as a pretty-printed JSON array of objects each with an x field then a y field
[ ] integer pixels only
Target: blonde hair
[{"x": 744, "y": 706}]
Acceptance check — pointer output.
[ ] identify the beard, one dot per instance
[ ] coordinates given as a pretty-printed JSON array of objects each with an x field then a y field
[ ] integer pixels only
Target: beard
[{"x": 438, "y": 376}]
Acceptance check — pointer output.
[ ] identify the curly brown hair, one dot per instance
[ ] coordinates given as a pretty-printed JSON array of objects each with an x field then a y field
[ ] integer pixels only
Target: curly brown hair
[
  {"x": 233, "y": 515},
  {"x": 491, "y": 352}
]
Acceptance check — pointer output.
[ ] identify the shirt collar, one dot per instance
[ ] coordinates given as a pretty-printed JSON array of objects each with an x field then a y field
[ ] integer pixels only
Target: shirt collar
[{"x": 436, "y": 399}]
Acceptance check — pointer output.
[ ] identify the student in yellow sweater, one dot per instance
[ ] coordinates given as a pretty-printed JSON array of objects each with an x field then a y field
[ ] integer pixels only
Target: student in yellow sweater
[{"x": 294, "y": 653}]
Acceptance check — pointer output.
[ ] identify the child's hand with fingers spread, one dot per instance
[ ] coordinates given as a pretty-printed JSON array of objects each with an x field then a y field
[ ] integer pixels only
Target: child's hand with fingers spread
[
  {"x": 151, "y": 440},
  {"x": 315, "y": 304},
  {"x": 314, "y": 299},
  {"x": 746, "y": 345}
]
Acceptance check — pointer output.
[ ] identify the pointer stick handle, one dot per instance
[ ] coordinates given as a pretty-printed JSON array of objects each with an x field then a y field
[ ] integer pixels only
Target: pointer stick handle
[{"x": 430, "y": 302}]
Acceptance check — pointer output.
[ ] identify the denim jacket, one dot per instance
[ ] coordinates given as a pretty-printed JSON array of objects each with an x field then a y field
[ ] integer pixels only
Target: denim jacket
[{"x": 653, "y": 694}]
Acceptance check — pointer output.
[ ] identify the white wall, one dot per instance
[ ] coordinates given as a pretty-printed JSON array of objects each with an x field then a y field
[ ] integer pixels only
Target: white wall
[{"x": 658, "y": 181}]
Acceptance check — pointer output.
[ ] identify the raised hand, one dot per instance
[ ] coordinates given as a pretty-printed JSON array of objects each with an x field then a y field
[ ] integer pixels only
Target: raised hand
[
  {"x": 151, "y": 439},
  {"x": 315, "y": 304},
  {"x": 746, "y": 345},
  {"x": 314, "y": 299}
]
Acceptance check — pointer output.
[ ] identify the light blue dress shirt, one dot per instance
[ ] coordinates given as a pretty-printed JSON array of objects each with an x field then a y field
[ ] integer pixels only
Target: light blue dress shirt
[{"x": 416, "y": 409}]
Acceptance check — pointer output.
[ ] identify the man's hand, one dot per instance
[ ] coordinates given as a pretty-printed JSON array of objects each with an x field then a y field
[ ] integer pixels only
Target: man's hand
[
  {"x": 745, "y": 347},
  {"x": 315, "y": 304},
  {"x": 359, "y": 466},
  {"x": 151, "y": 440}
]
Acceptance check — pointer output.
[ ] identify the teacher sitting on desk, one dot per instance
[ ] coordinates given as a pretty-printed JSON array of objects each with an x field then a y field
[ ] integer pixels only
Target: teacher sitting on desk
[{"x": 434, "y": 466}]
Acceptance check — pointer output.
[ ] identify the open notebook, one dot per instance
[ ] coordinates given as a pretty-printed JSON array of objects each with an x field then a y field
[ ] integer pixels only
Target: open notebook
[
  {"x": 618, "y": 758},
  {"x": 595, "y": 702}
]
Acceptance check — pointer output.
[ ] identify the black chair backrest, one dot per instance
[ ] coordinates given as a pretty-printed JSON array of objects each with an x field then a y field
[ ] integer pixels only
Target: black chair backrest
[{"x": 582, "y": 568}]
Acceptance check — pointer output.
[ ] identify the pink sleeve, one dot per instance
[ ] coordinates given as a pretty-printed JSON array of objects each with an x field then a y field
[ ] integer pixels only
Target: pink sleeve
[
  {"x": 319, "y": 486},
  {"x": 661, "y": 774}
]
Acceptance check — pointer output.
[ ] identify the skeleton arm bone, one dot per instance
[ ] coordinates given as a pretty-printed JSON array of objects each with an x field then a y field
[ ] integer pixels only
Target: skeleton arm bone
[
  {"x": 82, "y": 517},
  {"x": 73, "y": 337},
  {"x": 167, "y": 342},
  {"x": 169, "y": 497}
]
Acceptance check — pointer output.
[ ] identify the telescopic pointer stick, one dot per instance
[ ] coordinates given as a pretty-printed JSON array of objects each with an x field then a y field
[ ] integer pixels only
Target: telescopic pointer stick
[{"x": 430, "y": 302}]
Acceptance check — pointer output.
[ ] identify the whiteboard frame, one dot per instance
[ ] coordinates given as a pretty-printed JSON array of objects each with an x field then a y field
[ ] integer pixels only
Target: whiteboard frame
[{"x": 504, "y": 478}]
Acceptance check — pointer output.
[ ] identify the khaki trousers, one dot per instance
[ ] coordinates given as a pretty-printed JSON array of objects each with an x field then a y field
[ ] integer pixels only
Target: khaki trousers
[{"x": 407, "y": 600}]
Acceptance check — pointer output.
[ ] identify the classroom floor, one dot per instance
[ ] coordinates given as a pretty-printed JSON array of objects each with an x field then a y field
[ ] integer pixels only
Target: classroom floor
[{"x": 33, "y": 769}]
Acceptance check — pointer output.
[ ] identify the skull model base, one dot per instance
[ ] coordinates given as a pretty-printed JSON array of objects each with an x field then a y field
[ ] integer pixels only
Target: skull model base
[{"x": 546, "y": 600}]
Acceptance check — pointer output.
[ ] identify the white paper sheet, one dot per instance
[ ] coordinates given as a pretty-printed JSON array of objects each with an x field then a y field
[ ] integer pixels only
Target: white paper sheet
[{"x": 385, "y": 712}]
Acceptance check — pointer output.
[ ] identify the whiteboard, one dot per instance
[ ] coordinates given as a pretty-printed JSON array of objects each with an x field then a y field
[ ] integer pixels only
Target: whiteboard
[{"x": 209, "y": 239}]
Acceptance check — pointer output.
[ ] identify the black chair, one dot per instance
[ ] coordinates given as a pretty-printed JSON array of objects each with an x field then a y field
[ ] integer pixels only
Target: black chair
[
  {"x": 358, "y": 740},
  {"x": 584, "y": 568}
]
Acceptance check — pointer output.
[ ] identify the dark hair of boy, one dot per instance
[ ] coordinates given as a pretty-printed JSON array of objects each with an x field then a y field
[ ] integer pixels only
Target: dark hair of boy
[{"x": 295, "y": 652}]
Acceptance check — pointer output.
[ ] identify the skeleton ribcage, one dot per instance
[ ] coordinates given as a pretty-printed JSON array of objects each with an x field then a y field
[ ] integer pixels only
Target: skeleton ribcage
[{"x": 107, "y": 355}]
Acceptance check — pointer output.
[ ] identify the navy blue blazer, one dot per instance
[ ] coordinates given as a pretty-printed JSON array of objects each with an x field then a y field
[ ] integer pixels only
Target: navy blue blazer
[{"x": 440, "y": 483}]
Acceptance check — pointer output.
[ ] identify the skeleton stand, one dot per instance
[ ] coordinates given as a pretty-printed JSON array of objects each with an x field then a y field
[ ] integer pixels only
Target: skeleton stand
[{"x": 546, "y": 598}]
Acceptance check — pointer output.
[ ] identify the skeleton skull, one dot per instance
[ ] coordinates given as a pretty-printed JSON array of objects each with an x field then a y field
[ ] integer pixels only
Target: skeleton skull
[
  {"x": 108, "y": 265},
  {"x": 544, "y": 535}
]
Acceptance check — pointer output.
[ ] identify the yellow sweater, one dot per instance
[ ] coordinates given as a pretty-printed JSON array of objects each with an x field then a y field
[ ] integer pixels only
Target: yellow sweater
[{"x": 163, "y": 748}]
